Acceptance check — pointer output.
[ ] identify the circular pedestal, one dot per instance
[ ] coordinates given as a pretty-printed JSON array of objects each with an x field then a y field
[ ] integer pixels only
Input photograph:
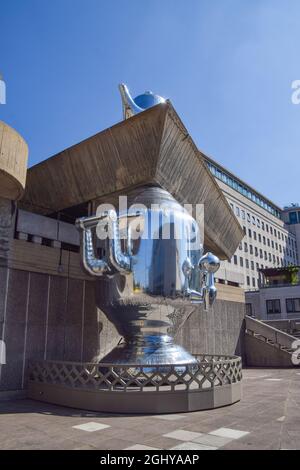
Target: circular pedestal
[{"x": 212, "y": 382}]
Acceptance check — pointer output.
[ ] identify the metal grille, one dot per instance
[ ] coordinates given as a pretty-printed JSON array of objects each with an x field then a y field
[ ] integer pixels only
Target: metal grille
[{"x": 210, "y": 371}]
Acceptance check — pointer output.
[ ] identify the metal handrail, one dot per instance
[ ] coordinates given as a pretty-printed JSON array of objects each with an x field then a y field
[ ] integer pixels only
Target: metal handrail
[{"x": 284, "y": 340}]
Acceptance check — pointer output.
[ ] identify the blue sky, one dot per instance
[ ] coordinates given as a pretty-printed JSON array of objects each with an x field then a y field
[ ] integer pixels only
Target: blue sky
[{"x": 227, "y": 67}]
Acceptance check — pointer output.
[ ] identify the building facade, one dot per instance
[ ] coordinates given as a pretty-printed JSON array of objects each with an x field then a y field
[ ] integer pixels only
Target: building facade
[
  {"x": 291, "y": 217},
  {"x": 278, "y": 297},
  {"x": 269, "y": 241}
]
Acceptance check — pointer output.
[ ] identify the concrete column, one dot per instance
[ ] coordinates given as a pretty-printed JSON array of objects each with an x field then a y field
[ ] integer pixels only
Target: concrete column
[{"x": 7, "y": 221}]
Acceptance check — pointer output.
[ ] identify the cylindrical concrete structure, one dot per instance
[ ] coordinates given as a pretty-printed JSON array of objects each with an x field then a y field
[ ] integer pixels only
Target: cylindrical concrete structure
[{"x": 13, "y": 163}]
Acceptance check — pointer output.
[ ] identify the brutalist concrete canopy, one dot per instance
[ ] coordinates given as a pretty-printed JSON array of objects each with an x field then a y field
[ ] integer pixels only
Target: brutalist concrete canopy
[{"x": 152, "y": 147}]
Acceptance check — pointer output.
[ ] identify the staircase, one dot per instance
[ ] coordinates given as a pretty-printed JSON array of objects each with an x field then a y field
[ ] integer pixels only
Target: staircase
[{"x": 267, "y": 346}]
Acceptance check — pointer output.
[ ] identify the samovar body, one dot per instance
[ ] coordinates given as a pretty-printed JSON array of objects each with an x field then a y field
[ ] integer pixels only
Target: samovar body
[{"x": 152, "y": 272}]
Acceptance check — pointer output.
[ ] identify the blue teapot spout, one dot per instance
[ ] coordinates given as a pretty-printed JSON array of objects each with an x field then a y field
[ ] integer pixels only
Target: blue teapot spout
[
  {"x": 138, "y": 104},
  {"x": 129, "y": 106}
]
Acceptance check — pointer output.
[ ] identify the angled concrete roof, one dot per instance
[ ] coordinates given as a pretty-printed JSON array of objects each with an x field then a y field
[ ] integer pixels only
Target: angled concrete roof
[{"x": 152, "y": 147}]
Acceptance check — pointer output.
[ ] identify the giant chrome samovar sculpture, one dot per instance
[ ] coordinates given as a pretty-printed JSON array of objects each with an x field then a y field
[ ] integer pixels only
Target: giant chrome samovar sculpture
[{"x": 152, "y": 276}]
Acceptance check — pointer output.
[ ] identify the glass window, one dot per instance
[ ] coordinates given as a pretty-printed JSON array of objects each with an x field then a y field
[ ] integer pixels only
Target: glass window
[
  {"x": 251, "y": 249},
  {"x": 253, "y": 282},
  {"x": 259, "y": 238},
  {"x": 263, "y": 225},
  {"x": 249, "y": 309},
  {"x": 253, "y": 220},
  {"x": 248, "y": 281},
  {"x": 245, "y": 247},
  {"x": 273, "y": 306},
  {"x": 243, "y": 214},
  {"x": 248, "y": 217},
  {"x": 293, "y": 217},
  {"x": 237, "y": 211},
  {"x": 292, "y": 305},
  {"x": 241, "y": 262},
  {"x": 252, "y": 265},
  {"x": 247, "y": 263},
  {"x": 249, "y": 233},
  {"x": 235, "y": 259},
  {"x": 254, "y": 235}
]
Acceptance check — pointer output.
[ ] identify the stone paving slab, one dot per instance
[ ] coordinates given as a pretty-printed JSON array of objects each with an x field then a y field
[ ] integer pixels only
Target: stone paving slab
[{"x": 268, "y": 417}]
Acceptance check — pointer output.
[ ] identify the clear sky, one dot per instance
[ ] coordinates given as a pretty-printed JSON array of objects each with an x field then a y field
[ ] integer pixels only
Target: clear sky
[{"x": 226, "y": 65}]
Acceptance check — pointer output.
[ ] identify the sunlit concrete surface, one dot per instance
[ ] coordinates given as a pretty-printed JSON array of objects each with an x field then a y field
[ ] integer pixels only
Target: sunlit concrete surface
[{"x": 268, "y": 417}]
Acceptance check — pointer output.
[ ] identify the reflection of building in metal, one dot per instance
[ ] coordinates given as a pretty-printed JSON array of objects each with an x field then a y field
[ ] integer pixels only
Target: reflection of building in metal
[{"x": 269, "y": 238}]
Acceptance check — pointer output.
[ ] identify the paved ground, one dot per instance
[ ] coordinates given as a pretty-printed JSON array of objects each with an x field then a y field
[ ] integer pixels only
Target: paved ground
[{"x": 268, "y": 417}]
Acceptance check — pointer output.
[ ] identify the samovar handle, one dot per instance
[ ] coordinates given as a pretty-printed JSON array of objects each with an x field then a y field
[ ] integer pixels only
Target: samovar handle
[{"x": 116, "y": 258}]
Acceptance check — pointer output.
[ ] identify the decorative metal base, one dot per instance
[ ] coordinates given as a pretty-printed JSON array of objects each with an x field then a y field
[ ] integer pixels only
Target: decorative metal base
[
  {"x": 155, "y": 349},
  {"x": 211, "y": 382}
]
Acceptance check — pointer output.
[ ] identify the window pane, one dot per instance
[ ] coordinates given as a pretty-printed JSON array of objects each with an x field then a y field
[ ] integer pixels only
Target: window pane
[
  {"x": 293, "y": 217},
  {"x": 269, "y": 306},
  {"x": 289, "y": 305},
  {"x": 277, "y": 308},
  {"x": 249, "y": 309}
]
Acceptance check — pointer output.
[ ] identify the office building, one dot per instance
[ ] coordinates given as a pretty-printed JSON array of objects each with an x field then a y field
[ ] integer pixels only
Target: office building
[{"x": 270, "y": 239}]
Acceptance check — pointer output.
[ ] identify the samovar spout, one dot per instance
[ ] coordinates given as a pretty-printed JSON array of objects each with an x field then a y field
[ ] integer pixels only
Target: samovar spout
[
  {"x": 209, "y": 264},
  {"x": 129, "y": 106}
]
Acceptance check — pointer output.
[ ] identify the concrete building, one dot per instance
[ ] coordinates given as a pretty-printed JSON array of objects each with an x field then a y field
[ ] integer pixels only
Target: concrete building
[
  {"x": 278, "y": 297},
  {"x": 291, "y": 217},
  {"x": 269, "y": 240}
]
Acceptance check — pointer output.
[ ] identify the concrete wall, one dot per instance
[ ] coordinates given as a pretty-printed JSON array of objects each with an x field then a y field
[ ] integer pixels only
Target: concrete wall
[
  {"x": 43, "y": 316},
  {"x": 261, "y": 354},
  {"x": 220, "y": 330},
  {"x": 7, "y": 216},
  {"x": 47, "y": 317}
]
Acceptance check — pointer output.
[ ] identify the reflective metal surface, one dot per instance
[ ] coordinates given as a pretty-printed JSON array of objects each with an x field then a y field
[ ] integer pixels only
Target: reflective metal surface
[
  {"x": 135, "y": 105},
  {"x": 151, "y": 280}
]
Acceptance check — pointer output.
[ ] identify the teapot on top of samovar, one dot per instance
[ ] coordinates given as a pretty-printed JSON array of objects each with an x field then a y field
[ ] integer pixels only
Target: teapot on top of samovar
[{"x": 138, "y": 104}]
